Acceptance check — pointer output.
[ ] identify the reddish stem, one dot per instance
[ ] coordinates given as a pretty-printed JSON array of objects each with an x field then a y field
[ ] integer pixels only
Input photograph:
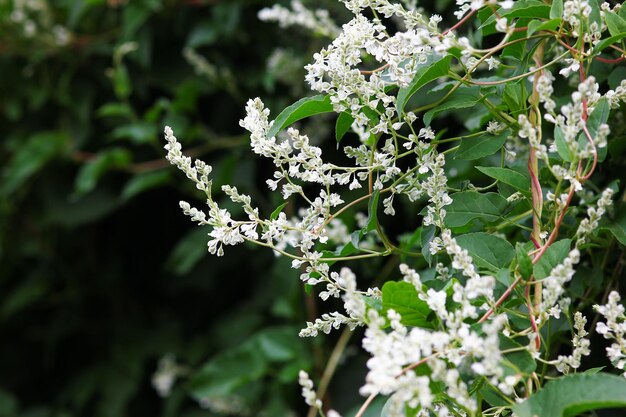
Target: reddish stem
[
  {"x": 538, "y": 256},
  {"x": 567, "y": 46},
  {"x": 460, "y": 22},
  {"x": 533, "y": 323},
  {"x": 535, "y": 242},
  {"x": 610, "y": 61},
  {"x": 594, "y": 150},
  {"x": 501, "y": 299},
  {"x": 537, "y": 194}
]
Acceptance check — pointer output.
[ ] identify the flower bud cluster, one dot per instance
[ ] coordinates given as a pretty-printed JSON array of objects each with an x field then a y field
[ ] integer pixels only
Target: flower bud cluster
[
  {"x": 318, "y": 21},
  {"x": 614, "y": 328}
]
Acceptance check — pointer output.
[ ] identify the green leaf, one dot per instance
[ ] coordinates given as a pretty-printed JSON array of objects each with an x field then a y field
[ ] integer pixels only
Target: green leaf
[
  {"x": 372, "y": 220},
  {"x": 188, "y": 251},
  {"x": 121, "y": 82},
  {"x": 515, "y": 96},
  {"x": 299, "y": 110},
  {"x": 525, "y": 264},
  {"x": 594, "y": 16},
  {"x": 428, "y": 233},
  {"x": 605, "y": 43},
  {"x": 493, "y": 396},
  {"x": 402, "y": 297},
  {"x": 277, "y": 211},
  {"x": 522, "y": 8},
  {"x": 372, "y": 212},
  {"x": 24, "y": 296},
  {"x": 516, "y": 362},
  {"x": 553, "y": 256},
  {"x": 228, "y": 371},
  {"x": 562, "y": 148},
  {"x": 464, "y": 97},
  {"x": 518, "y": 48},
  {"x": 615, "y": 23},
  {"x": 202, "y": 34},
  {"x": 572, "y": 395},
  {"x": 435, "y": 66},
  {"x": 508, "y": 176},
  {"x": 35, "y": 152},
  {"x": 115, "y": 110},
  {"x": 485, "y": 145},
  {"x": 278, "y": 344},
  {"x": 487, "y": 251},
  {"x": 144, "y": 182},
  {"x": 92, "y": 171},
  {"x": 593, "y": 371},
  {"x": 342, "y": 126},
  {"x": 537, "y": 25},
  {"x": 599, "y": 116},
  {"x": 470, "y": 205},
  {"x": 618, "y": 228},
  {"x": 556, "y": 10},
  {"x": 138, "y": 133}
]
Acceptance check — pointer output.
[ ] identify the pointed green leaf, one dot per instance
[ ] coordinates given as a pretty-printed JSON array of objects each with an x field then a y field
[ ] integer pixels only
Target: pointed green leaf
[
  {"x": 372, "y": 212},
  {"x": 556, "y": 10},
  {"x": 277, "y": 210},
  {"x": 470, "y": 205},
  {"x": 33, "y": 154},
  {"x": 115, "y": 110},
  {"x": 485, "y": 145},
  {"x": 537, "y": 25},
  {"x": 143, "y": 182},
  {"x": 342, "y": 126},
  {"x": 562, "y": 148},
  {"x": 572, "y": 395},
  {"x": 92, "y": 171},
  {"x": 522, "y": 8},
  {"x": 138, "y": 133},
  {"x": 402, "y": 297},
  {"x": 435, "y": 66},
  {"x": 372, "y": 220},
  {"x": 464, "y": 97},
  {"x": 554, "y": 255},
  {"x": 299, "y": 110},
  {"x": 228, "y": 371},
  {"x": 508, "y": 176},
  {"x": 487, "y": 251},
  {"x": 428, "y": 233},
  {"x": 605, "y": 43},
  {"x": 615, "y": 23},
  {"x": 599, "y": 116},
  {"x": 618, "y": 228},
  {"x": 516, "y": 362},
  {"x": 525, "y": 264}
]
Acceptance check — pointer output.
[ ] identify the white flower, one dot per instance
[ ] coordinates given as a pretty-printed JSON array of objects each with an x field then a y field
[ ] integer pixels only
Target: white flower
[
  {"x": 309, "y": 395},
  {"x": 614, "y": 328}
]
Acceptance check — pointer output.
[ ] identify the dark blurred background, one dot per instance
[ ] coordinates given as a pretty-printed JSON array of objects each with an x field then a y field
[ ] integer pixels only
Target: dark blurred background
[{"x": 107, "y": 292}]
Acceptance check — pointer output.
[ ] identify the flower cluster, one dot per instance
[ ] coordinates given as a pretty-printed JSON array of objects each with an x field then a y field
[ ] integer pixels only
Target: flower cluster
[
  {"x": 614, "y": 328},
  {"x": 318, "y": 21},
  {"x": 580, "y": 344}
]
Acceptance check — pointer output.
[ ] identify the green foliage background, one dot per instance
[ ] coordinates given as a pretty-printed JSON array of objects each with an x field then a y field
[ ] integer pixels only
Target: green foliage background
[{"x": 100, "y": 273}]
